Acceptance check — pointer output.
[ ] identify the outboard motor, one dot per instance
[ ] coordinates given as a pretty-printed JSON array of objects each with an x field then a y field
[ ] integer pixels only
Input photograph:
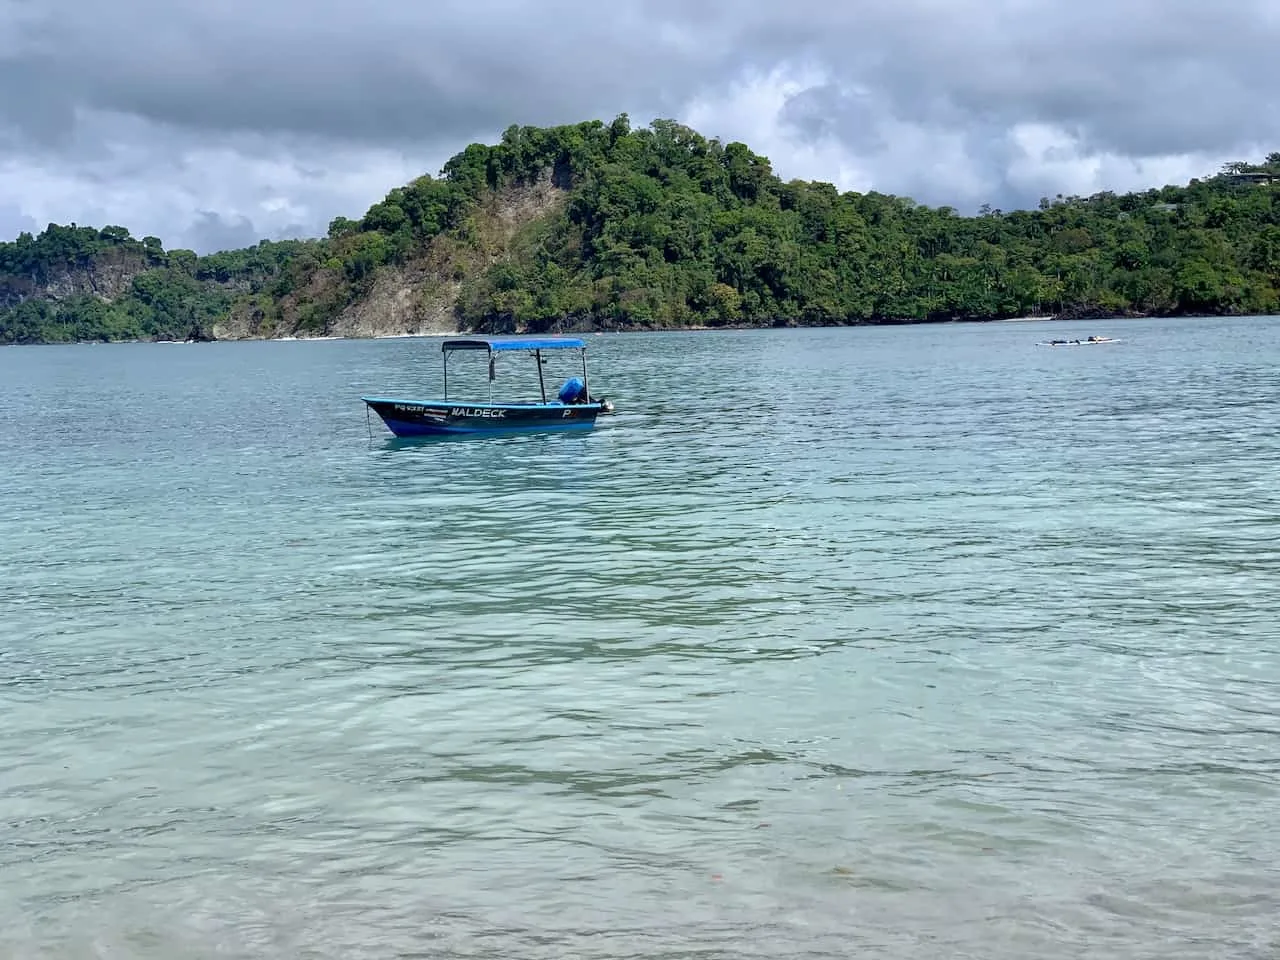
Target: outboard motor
[{"x": 573, "y": 391}]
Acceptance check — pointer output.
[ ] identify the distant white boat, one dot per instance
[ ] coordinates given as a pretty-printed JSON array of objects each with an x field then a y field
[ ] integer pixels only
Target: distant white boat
[{"x": 1091, "y": 341}]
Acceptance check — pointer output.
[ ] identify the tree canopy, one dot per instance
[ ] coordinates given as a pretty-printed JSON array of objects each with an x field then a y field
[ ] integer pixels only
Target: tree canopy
[{"x": 660, "y": 226}]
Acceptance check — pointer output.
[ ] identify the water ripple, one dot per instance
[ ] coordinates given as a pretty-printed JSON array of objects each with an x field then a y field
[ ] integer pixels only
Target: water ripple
[{"x": 905, "y": 642}]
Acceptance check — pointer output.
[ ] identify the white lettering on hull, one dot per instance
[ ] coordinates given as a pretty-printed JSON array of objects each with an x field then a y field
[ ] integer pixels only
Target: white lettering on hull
[
  {"x": 437, "y": 413},
  {"x": 485, "y": 412}
]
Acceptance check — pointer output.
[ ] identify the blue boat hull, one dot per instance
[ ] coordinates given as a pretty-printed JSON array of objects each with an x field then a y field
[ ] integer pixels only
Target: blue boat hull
[{"x": 433, "y": 418}]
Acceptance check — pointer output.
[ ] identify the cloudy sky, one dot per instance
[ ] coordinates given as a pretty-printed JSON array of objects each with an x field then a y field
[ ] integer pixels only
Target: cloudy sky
[{"x": 214, "y": 123}]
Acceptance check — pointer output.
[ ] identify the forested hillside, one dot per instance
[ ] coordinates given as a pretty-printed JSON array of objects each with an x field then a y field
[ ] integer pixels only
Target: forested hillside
[{"x": 605, "y": 226}]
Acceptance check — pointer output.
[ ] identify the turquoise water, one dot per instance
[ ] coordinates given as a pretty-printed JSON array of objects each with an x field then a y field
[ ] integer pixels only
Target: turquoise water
[{"x": 907, "y": 642}]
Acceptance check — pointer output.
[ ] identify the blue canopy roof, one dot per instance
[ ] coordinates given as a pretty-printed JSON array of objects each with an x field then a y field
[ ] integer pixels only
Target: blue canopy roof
[{"x": 512, "y": 343}]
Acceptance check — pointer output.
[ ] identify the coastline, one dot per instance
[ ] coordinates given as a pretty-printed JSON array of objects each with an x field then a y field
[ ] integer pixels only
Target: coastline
[{"x": 586, "y": 329}]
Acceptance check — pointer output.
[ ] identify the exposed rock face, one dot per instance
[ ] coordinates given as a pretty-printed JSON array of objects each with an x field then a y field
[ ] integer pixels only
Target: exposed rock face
[
  {"x": 405, "y": 299},
  {"x": 106, "y": 276},
  {"x": 416, "y": 297},
  {"x": 247, "y": 321}
]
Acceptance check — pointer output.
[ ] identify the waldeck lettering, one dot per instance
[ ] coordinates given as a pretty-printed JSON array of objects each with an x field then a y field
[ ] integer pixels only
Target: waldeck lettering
[
  {"x": 453, "y": 411},
  {"x": 477, "y": 412}
]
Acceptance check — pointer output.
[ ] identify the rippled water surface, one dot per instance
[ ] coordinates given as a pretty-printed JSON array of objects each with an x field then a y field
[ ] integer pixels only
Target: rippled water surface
[{"x": 909, "y": 643}]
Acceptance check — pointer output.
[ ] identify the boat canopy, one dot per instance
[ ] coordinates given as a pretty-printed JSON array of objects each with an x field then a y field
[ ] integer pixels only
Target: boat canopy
[{"x": 494, "y": 344}]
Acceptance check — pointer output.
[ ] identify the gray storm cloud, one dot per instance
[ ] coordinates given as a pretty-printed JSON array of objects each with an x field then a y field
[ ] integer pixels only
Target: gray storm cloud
[{"x": 952, "y": 101}]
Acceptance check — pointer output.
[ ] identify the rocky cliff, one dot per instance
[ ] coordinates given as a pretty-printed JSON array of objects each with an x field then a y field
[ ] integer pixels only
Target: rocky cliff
[
  {"x": 417, "y": 296},
  {"x": 107, "y": 275}
]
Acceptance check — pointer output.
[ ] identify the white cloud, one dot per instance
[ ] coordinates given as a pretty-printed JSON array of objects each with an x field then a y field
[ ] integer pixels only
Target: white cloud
[
  {"x": 752, "y": 109},
  {"x": 191, "y": 191},
  {"x": 195, "y": 121},
  {"x": 1050, "y": 160},
  {"x": 902, "y": 157}
]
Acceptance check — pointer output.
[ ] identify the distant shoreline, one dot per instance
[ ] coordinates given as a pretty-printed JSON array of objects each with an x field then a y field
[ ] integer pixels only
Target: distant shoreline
[
  {"x": 606, "y": 227},
  {"x": 686, "y": 328}
]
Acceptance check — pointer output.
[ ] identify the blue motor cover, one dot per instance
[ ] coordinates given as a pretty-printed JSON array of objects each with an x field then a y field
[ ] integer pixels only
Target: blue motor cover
[{"x": 573, "y": 390}]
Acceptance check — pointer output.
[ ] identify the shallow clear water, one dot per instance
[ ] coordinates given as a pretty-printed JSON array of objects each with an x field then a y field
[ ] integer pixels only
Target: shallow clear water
[{"x": 911, "y": 642}]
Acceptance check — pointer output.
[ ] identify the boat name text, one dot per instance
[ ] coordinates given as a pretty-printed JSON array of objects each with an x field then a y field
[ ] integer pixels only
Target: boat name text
[
  {"x": 477, "y": 412},
  {"x": 485, "y": 412}
]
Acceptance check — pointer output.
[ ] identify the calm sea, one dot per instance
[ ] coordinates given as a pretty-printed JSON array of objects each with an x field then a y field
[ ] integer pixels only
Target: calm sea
[{"x": 915, "y": 642}]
